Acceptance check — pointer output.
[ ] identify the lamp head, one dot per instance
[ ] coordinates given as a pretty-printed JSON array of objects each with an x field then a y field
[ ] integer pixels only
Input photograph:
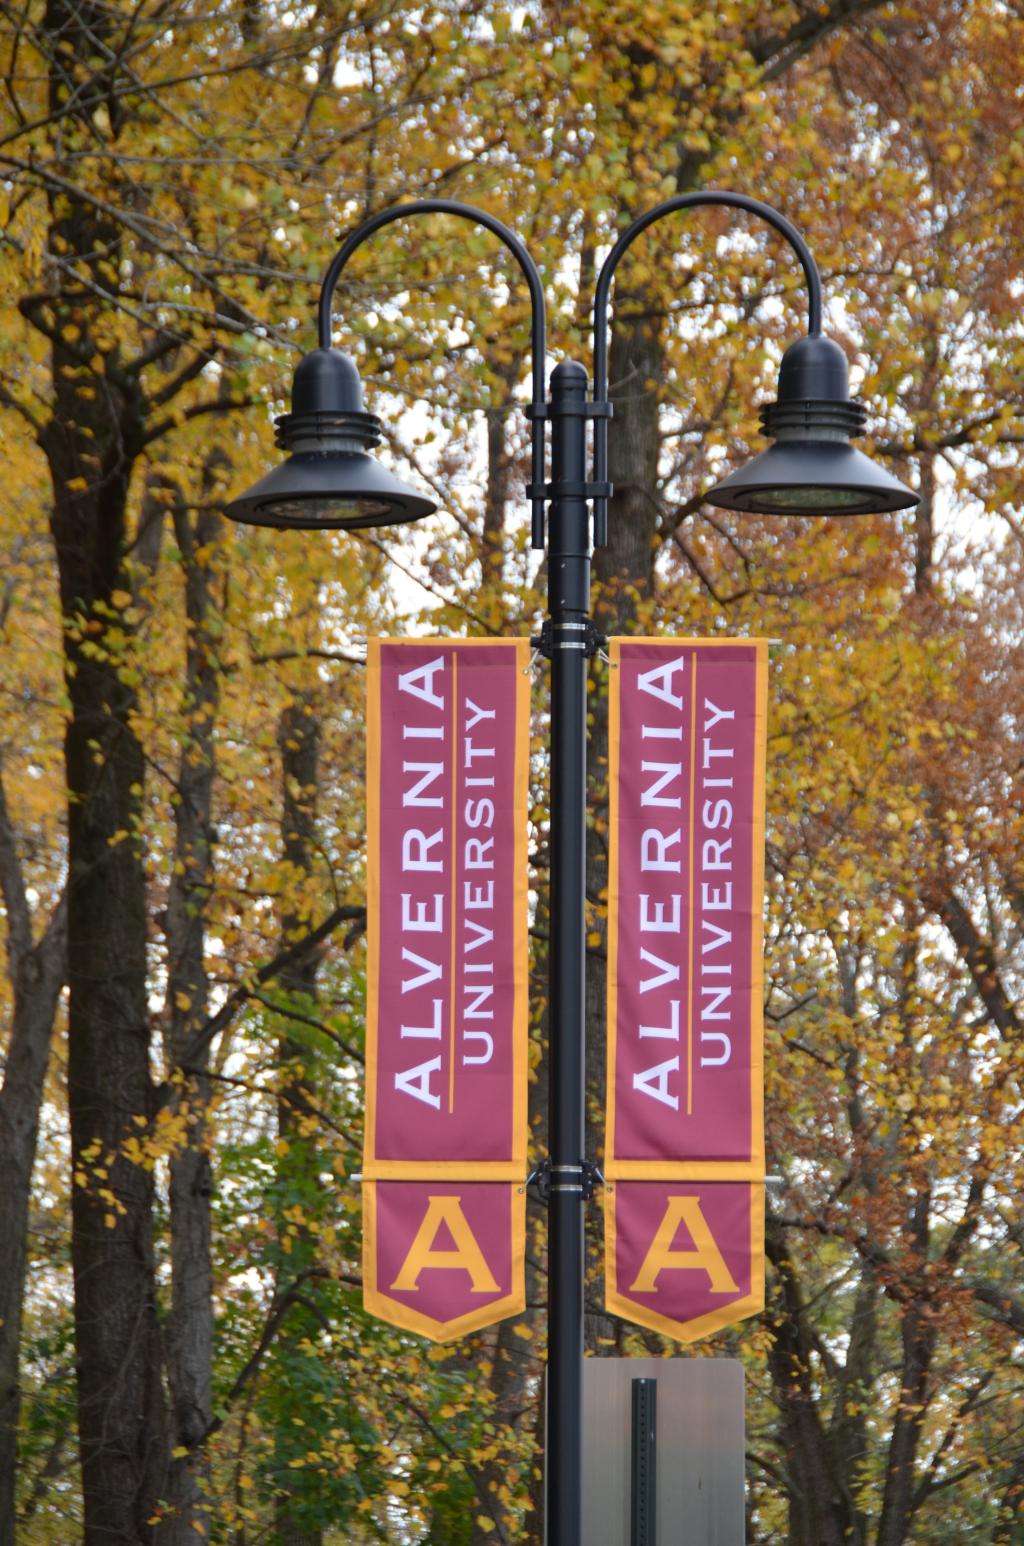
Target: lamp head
[
  {"x": 329, "y": 479},
  {"x": 812, "y": 469}
]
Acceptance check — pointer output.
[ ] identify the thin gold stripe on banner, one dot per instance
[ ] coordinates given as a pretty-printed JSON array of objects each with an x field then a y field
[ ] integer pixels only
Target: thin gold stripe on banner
[
  {"x": 520, "y": 901},
  {"x": 684, "y": 1170},
  {"x": 373, "y": 921},
  {"x": 612, "y": 941},
  {"x": 449, "y": 1170},
  {"x": 757, "y": 926},
  {"x": 693, "y": 833},
  {"x": 455, "y": 880}
]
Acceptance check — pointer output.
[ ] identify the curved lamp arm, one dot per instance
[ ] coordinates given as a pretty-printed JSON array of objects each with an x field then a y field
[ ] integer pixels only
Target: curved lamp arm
[
  {"x": 538, "y": 314},
  {"x": 604, "y": 284}
]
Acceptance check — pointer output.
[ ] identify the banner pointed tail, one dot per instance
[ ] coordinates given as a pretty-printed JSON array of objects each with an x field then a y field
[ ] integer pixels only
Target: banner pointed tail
[
  {"x": 684, "y": 1257},
  {"x": 684, "y": 1153},
  {"x": 443, "y": 1258},
  {"x": 444, "y": 1158}
]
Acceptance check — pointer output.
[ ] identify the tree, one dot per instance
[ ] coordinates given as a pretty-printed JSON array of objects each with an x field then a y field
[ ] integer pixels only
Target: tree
[{"x": 173, "y": 184}]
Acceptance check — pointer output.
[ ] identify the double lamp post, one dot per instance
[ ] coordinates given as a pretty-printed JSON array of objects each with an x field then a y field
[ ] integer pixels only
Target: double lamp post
[{"x": 330, "y": 480}]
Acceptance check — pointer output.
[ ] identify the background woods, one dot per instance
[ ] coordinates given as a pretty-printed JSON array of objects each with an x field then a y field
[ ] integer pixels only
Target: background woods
[{"x": 182, "y": 1351}]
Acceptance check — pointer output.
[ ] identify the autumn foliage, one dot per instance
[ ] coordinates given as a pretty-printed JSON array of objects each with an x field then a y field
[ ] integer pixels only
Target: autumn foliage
[{"x": 183, "y": 1354}]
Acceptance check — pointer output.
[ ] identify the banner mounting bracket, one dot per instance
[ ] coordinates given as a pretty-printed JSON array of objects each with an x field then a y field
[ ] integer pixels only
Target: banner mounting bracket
[{"x": 546, "y": 1178}]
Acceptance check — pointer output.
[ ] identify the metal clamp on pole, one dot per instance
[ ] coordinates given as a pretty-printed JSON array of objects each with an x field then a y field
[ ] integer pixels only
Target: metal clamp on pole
[
  {"x": 571, "y": 635},
  {"x": 568, "y": 490},
  {"x": 567, "y": 1178},
  {"x": 540, "y": 1179},
  {"x": 599, "y": 490}
]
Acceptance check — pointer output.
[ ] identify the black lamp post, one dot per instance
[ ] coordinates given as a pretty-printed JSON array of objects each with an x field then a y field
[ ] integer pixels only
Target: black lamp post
[{"x": 330, "y": 480}]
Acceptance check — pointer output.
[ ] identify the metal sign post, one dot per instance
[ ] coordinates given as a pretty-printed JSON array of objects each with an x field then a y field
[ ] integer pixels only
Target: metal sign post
[{"x": 644, "y": 1481}]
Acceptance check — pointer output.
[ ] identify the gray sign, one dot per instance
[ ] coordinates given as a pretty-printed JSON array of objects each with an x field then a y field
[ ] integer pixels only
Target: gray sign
[{"x": 699, "y": 1444}]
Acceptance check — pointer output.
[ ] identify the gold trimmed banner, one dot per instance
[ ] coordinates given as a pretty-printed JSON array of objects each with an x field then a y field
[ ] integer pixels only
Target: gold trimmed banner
[
  {"x": 444, "y": 1258},
  {"x": 446, "y": 1013},
  {"x": 684, "y": 1257},
  {"x": 687, "y": 738}
]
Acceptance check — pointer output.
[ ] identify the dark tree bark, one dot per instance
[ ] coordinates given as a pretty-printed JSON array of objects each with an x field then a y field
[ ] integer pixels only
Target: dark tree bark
[
  {"x": 91, "y": 442},
  {"x": 121, "y": 1418},
  {"x": 190, "y": 1343},
  {"x": 500, "y": 467},
  {"x": 819, "y": 1511},
  {"x": 918, "y": 1338},
  {"x": 37, "y": 971},
  {"x": 298, "y": 741},
  {"x": 924, "y": 528}
]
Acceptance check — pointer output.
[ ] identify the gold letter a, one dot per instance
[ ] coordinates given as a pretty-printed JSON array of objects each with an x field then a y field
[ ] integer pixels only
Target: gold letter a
[
  {"x": 706, "y": 1256},
  {"x": 467, "y": 1253}
]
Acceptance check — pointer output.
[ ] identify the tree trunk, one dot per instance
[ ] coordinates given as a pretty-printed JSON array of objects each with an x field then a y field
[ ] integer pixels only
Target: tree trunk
[
  {"x": 499, "y": 473},
  {"x": 120, "y": 1404},
  {"x": 848, "y": 1436},
  {"x": 298, "y": 741},
  {"x": 818, "y": 1510},
  {"x": 900, "y": 1481},
  {"x": 190, "y": 1360},
  {"x": 918, "y": 1332},
  {"x": 37, "y": 972},
  {"x": 91, "y": 442}
]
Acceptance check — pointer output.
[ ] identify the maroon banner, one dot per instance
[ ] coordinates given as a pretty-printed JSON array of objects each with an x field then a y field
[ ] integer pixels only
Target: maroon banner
[
  {"x": 686, "y": 751},
  {"x": 443, "y": 1257},
  {"x": 685, "y": 1058},
  {"x": 446, "y": 985},
  {"x": 446, "y": 991},
  {"x": 684, "y": 1257}
]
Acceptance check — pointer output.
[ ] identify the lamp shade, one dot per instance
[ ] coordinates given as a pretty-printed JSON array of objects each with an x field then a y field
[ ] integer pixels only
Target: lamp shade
[
  {"x": 329, "y": 480},
  {"x": 812, "y": 469}
]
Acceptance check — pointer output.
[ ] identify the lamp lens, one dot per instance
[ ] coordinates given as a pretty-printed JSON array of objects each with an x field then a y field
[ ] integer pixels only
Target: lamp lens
[
  {"x": 326, "y": 512},
  {"x": 808, "y": 499}
]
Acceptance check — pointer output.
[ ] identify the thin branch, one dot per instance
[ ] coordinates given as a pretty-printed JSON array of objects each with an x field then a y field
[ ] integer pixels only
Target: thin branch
[
  {"x": 237, "y": 1000},
  {"x": 317, "y": 1025},
  {"x": 279, "y": 1309},
  {"x": 175, "y": 420}
]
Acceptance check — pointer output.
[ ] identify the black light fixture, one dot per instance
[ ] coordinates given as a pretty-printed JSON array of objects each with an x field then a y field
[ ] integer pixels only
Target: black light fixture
[
  {"x": 812, "y": 469},
  {"x": 329, "y": 479}
]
